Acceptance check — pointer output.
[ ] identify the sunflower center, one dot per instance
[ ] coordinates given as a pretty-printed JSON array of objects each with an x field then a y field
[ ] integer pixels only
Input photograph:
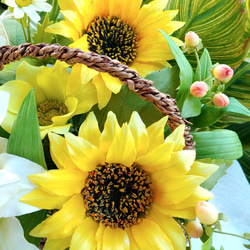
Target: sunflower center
[
  {"x": 116, "y": 195},
  {"x": 112, "y": 37},
  {"x": 48, "y": 109},
  {"x": 23, "y": 3}
]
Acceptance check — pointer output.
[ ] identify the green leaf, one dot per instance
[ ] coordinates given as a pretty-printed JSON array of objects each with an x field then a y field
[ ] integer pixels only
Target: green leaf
[
  {"x": 124, "y": 103},
  {"x": 188, "y": 104},
  {"x": 219, "y": 23},
  {"x": 25, "y": 139},
  {"x": 40, "y": 36},
  {"x": 246, "y": 235},
  {"x": 29, "y": 221},
  {"x": 210, "y": 115},
  {"x": 213, "y": 179},
  {"x": 217, "y": 144},
  {"x": 208, "y": 244},
  {"x": 246, "y": 246}
]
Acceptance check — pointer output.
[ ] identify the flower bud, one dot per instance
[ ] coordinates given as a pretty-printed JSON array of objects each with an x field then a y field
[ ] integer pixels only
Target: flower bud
[
  {"x": 199, "y": 89},
  {"x": 223, "y": 72},
  {"x": 206, "y": 212},
  {"x": 194, "y": 229},
  {"x": 220, "y": 100},
  {"x": 192, "y": 40}
]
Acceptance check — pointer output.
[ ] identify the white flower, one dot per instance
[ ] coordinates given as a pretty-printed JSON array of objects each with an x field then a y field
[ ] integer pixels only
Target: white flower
[
  {"x": 30, "y": 7},
  {"x": 4, "y": 39},
  {"x": 14, "y": 183},
  {"x": 12, "y": 227}
]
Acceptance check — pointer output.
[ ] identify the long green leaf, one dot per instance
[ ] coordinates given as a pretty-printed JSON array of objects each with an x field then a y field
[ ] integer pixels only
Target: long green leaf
[
  {"x": 188, "y": 104},
  {"x": 219, "y": 23},
  {"x": 218, "y": 144},
  {"x": 25, "y": 139}
]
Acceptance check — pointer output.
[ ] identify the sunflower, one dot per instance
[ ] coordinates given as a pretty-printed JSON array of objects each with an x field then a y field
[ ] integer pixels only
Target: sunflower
[
  {"x": 119, "y": 188},
  {"x": 59, "y": 96},
  {"x": 122, "y": 30}
]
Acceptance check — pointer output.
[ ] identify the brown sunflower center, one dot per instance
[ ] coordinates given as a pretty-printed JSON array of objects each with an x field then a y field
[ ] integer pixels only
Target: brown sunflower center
[
  {"x": 112, "y": 37},
  {"x": 116, "y": 195},
  {"x": 23, "y": 3},
  {"x": 48, "y": 109}
]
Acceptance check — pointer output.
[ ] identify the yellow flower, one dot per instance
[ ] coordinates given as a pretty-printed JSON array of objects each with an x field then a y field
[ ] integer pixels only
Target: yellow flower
[
  {"x": 59, "y": 96},
  {"x": 122, "y": 30},
  {"x": 119, "y": 188}
]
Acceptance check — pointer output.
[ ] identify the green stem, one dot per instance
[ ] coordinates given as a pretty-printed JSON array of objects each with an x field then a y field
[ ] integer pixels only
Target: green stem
[
  {"x": 198, "y": 63},
  {"x": 230, "y": 234},
  {"x": 24, "y": 32},
  {"x": 209, "y": 78},
  {"x": 186, "y": 234},
  {"x": 28, "y": 30}
]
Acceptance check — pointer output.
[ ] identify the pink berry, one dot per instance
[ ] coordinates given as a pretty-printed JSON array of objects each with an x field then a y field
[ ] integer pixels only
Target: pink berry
[
  {"x": 199, "y": 89},
  {"x": 192, "y": 40},
  {"x": 220, "y": 100},
  {"x": 194, "y": 229},
  {"x": 206, "y": 212},
  {"x": 223, "y": 72}
]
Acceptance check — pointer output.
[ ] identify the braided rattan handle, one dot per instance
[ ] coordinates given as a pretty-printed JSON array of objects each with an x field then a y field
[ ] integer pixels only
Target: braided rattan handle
[{"x": 143, "y": 87}]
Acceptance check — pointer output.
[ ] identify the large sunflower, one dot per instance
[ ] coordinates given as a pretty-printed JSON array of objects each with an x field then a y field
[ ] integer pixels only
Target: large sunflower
[
  {"x": 59, "y": 96},
  {"x": 122, "y": 30},
  {"x": 119, "y": 188}
]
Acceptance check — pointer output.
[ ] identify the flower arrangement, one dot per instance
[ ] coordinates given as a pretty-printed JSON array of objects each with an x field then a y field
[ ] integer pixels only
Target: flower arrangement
[{"x": 94, "y": 151}]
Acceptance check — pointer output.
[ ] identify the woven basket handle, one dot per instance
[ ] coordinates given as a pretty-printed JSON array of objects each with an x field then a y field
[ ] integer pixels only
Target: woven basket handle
[{"x": 143, "y": 87}]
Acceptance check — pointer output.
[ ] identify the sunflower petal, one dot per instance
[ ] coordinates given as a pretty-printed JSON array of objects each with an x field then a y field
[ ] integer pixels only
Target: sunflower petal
[
  {"x": 60, "y": 182},
  {"x": 148, "y": 235},
  {"x": 203, "y": 169},
  {"x": 177, "y": 136},
  {"x": 89, "y": 130},
  {"x": 84, "y": 235},
  {"x": 85, "y": 155},
  {"x": 112, "y": 83},
  {"x": 115, "y": 239},
  {"x": 57, "y": 244},
  {"x": 122, "y": 150},
  {"x": 63, "y": 223}
]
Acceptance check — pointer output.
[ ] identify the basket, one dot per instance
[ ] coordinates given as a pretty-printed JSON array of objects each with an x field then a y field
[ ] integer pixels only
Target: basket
[{"x": 143, "y": 87}]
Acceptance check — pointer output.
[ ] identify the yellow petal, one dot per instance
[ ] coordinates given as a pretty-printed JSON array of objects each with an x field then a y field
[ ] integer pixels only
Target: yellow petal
[
  {"x": 170, "y": 227},
  {"x": 74, "y": 81},
  {"x": 85, "y": 155},
  {"x": 179, "y": 164},
  {"x": 60, "y": 182},
  {"x": 203, "y": 169},
  {"x": 132, "y": 242},
  {"x": 112, "y": 83},
  {"x": 59, "y": 152},
  {"x": 139, "y": 133},
  {"x": 175, "y": 189},
  {"x": 89, "y": 130},
  {"x": 156, "y": 133},
  {"x": 148, "y": 235},
  {"x": 63, "y": 223},
  {"x": 157, "y": 159},
  {"x": 115, "y": 239},
  {"x": 177, "y": 136},
  {"x": 41, "y": 199},
  {"x": 64, "y": 28},
  {"x": 122, "y": 150},
  {"x": 99, "y": 236},
  {"x": 44, "y": 130},
  {"x": 18, "y": 91},
  {"x": 103, "y": 93},
  {"x": 87, "y": 74},
  {"x": 82, "y": 44},
  {"x": 84, "y": 235},
  {"x": 61, "y": 244},
  {"x": 111, "y": 128}
]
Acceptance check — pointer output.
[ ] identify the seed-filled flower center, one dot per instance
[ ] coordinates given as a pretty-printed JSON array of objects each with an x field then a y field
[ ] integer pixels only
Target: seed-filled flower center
[
  {"x": 23, "y": 3},
  {"x": 112, "y": 37},
  {"x": 48, "y": 109},
  {"x": 117, "y": 195}
]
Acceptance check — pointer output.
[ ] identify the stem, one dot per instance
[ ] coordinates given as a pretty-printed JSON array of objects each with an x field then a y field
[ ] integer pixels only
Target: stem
[
  {"x": 28, "y": 30},
  {"x": 198, "y": 63},
  {"x": 230, "y": 234},
  {"x": 25, "y": 36},
  {"x": 209, "y": 78},
  {"x": 186, "y": 234}
]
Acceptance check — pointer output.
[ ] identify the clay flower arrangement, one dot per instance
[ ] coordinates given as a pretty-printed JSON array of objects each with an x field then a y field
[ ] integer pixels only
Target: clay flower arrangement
[{"x": 88, "y": 158}]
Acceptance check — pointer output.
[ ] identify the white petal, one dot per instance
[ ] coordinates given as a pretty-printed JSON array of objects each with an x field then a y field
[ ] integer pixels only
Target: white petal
[
  {"x": 9, "y": 185},
  {"x": 11, "y": 3},
  {"x": 3, "y": 145},
  {"x": 18, "y": 12},
  {"x": 31, "y": 12},
  {"x": 11, "y": 236},
  {"x": 4, "y": 101},
  {"x": 42, "y": 6}
]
